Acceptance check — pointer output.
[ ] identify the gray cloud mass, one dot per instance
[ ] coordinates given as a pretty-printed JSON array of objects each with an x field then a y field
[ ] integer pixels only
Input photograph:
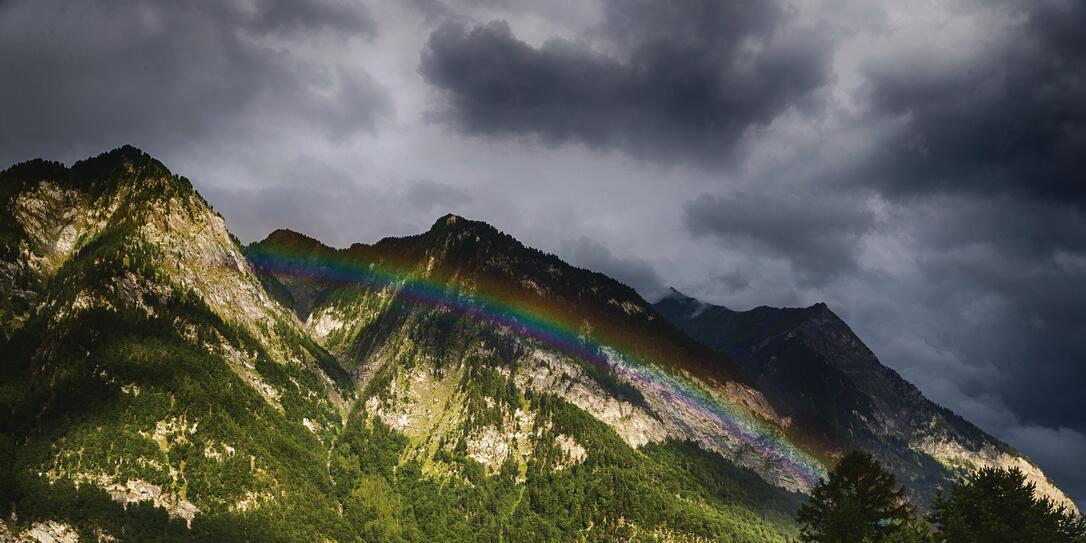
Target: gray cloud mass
[
  {"x": 1009, "y": 116},
  {"x": 685, "y": 81},
  {"x": 632, "y": 271},
  {"x": 818, "y": 236},
  {"x": 168, "y": 74}
]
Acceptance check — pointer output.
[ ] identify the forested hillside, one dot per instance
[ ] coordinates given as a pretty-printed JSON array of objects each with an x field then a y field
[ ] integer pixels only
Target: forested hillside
[{"x": 152, "y": 389}]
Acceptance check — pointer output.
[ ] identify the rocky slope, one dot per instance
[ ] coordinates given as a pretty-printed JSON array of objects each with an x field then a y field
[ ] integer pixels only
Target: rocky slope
[
  {"x": 376, "y": 312},
  {"x": 812, "y": 367},
  {"x": 143, "y": 362},
  {"x": 158, "y": 381}
]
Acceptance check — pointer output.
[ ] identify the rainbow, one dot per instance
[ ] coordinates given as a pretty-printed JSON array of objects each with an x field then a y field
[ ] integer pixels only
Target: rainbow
[{"x": 555, "y": 331}]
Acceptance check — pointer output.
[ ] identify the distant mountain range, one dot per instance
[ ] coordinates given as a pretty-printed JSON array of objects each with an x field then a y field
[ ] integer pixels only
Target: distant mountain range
[{"x": 161, "y": 381}]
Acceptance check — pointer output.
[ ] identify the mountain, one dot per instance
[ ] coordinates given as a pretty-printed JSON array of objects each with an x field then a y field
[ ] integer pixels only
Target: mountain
[
  {"x": 813, "y": 368},
  {"x": 160, "y": 381},
  {"x": 149, "y": 383}
]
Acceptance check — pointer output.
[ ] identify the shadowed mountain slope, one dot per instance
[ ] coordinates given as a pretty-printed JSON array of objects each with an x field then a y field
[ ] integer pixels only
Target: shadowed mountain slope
[{"x": 812, "y": 367}]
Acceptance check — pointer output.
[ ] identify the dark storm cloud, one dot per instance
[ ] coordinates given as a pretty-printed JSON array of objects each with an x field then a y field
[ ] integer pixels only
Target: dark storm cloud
[
  {"x": 1009, "y": 117},
  {"x": 1026, "y": 262},
  {"x": 254, "y": 212},
  {"x": 818, "y": 236},
  {"x": 685, "y": 80},
  {"x": 348, "y": 213},
  {"x": 632, "y": 271},
  {"x": 82, "y": 77},
  {"x": 1003, "y": 279}
]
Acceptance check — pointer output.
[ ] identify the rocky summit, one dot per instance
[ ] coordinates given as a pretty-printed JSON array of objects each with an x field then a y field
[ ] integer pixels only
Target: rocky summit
[{"x": 161, "y": 381}]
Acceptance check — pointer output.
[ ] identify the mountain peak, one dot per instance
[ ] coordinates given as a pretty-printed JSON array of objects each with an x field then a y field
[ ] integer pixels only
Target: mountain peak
[
  {"x": 675, "y": 302},
  {"x": 104, "y": 174},
  {"x": 469, "y": 239},
  {"x": 125, "y": 152},
  {"x": 128, "y": 157},
  {"x": 449, "y": 219},
  {"x": 88, "y": 173},
  {"x": 284, "y": 233},
  {"x": 285, "y": 237},
  {"x": 674, "y": 294},
  {"x": 455, "y": 223}
]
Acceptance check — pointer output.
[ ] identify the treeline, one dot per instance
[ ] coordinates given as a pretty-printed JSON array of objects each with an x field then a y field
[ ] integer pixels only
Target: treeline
[{"x": 862, "y": 503}]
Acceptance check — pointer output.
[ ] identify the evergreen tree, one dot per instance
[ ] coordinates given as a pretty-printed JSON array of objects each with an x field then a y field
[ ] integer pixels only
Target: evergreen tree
[
  {"x": 998, "y": 505},
  {"x": 915, "y": 531},
  {"x": 861, "y": 502}
]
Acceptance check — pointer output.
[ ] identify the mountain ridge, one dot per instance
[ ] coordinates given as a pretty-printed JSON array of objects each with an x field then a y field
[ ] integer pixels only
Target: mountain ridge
[
  {"x": 182, "y": 400},
  {"x": 160, "y": 379},
  {"x": 465, "y": 255}
]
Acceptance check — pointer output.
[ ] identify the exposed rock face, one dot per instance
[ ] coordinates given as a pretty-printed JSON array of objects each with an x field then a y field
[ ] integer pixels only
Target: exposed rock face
[
  {"x": 549, "y": 372},
  {"x": 135, "y": 491},
  {"x": 660, "y": 419},
  {"x": 432, "y": 407},
  {"x": 42, "y": 532},
  {"x": 813, "y": 368},
  {"x": 191, "y": 244},
  {"x": 575, "y": 453},
  {"x": 54, "y": 217},
  {"x": 957, "y": 458}
]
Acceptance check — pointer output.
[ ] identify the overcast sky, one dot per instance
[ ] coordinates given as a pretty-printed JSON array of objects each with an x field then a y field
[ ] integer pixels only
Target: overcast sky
[{"x": 916, "y": 165}]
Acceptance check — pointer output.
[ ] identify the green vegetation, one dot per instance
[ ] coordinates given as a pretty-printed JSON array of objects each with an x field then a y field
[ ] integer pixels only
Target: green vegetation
[
  {"x": 368, "y": 492},
  {"x": 117, "y": 377},
  {"x": 996, "y": 505},
  {"x": 72, "y": 416},
  {"x": 616, "y": 494},
  {"x": 861, "y": 502}
]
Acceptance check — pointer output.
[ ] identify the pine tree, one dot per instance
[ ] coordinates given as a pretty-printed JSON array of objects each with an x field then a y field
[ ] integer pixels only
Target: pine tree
[
  {"x": 998, "y": 505},
  {"x": 861, "y": 502}
]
